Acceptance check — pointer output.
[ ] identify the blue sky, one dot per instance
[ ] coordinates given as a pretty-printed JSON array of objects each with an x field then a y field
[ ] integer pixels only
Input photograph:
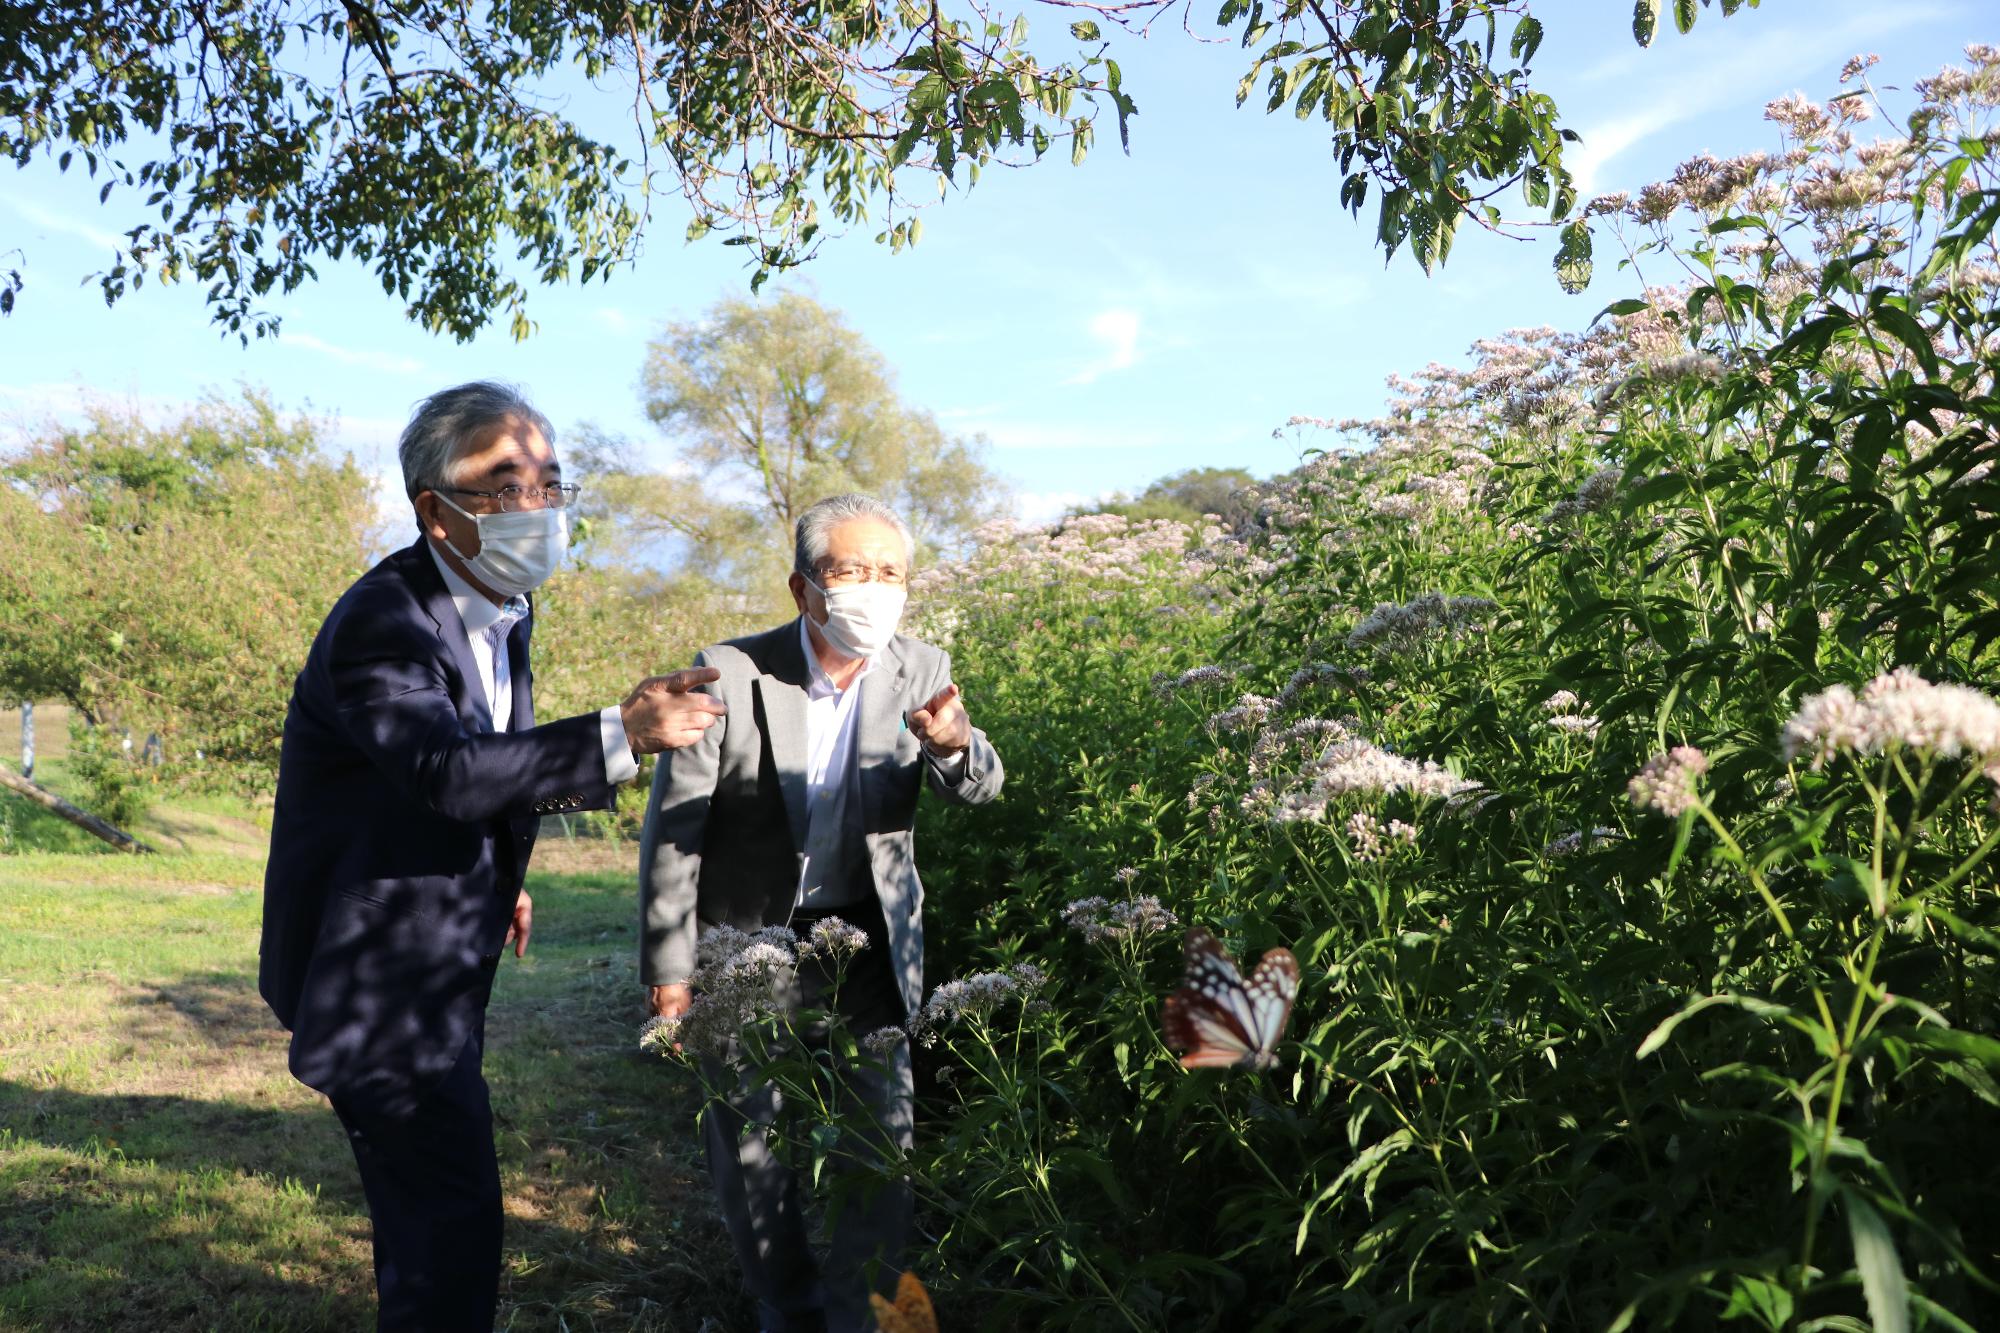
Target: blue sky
[{"x": 1101, "y": 325}]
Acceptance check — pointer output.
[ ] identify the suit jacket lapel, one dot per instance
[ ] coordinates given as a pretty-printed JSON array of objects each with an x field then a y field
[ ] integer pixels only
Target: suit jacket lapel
[
  {"x": 783, "y": 691},
  {"x": 420, "y": 568},
  {"x": 882, "y": 705}
]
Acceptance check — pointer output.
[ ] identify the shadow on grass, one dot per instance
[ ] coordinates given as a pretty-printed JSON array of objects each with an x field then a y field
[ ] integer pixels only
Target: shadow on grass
[{"x": 154, "y": 1211}]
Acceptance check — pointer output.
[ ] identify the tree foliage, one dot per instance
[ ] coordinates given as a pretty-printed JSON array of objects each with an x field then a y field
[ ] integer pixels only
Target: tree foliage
[
  {"x": 1229, "y": 493},
  {"x": 774, "y": 404},
  {"x": 457, "y": 148},
  {"x": 171, "y": 578}
]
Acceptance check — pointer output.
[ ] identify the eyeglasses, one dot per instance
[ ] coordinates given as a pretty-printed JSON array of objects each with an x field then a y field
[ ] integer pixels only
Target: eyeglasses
[
  {"x": 836, "y": 576},
  {"x": 513, "y": 499}
]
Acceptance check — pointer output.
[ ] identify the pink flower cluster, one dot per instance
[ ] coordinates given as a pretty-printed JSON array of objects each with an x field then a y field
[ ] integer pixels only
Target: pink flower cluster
[{"x": 1667, "y": 782}]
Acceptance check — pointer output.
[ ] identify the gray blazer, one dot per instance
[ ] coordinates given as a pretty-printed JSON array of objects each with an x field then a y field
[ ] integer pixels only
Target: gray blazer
[{"x": 726, "y": 823}]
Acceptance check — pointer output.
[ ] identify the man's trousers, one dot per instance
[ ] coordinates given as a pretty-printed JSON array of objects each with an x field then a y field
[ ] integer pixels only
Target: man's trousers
[
  {"x": 433, "y": 1186},
  {"x": 763, "y": 1199}
]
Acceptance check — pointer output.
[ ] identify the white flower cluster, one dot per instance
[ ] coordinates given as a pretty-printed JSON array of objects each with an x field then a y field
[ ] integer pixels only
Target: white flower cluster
[
  {"x": 1101, "y": 921},
  {"x": 1250, "y": 711},
  {"x": 1273, "y": 743},
  {"x": 1595, "y": 492},
  {"x": 1666, "y": 783},
  {"x": 1391, "y": 627},
  {"x": 1316, "y": 676},
  {"x": 1372, "y": 840},
  {"x": 1098, "y": 551},
  {"x": 1352, "y": 764},
  {"x": 1164, "y": 684},
  {"x": 833, "y": 940},
  {"x": 1899, "y": 709},
  {"x": 742, "y": 978},
  {"x": 1569, "y": 715},
  {"x": 882, "y": 1042},
  {"x": 1399, "y": 506},
  {"x": 973, "y": 997}
]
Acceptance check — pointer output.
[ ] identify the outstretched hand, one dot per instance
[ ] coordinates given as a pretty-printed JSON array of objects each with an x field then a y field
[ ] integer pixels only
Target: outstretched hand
[
  {"x": 941, "y": 724},
  {"x": 662, "y": 713}
]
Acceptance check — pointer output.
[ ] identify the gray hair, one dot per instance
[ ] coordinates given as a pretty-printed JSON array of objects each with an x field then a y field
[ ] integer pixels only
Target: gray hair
[
  {"x": 816, "y": 524},
  {"x": 446, "y": 422}
]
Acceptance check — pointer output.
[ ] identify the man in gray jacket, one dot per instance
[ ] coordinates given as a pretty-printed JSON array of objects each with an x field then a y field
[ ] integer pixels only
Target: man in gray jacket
[{"x": 799, "y": 805}]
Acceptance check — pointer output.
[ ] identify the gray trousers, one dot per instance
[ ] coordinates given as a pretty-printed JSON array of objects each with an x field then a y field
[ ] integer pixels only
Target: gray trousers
[{"x": 797, "y": 1289}]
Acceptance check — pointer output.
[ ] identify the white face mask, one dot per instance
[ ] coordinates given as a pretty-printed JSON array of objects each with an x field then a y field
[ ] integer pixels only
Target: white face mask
[
  {"x": 861, "y": 618},
  {"x": 517, "y": 552}
]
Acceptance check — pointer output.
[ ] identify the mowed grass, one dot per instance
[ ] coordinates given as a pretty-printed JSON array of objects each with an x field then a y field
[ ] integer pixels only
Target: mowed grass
[{"x": 160, "y": 1169}]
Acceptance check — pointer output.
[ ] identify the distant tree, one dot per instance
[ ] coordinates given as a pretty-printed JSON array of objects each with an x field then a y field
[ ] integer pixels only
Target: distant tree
[
  {"x": 170, "y": 578},
  {"x": 251, "y": 140},
  {"x": 1222, "y": 491},
  {"x": 773, "y": 404}
]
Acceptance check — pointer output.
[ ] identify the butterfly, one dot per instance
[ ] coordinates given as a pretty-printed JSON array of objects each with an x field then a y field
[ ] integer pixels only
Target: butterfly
[
  {"x": 912, "y": 1311},
  {"x": 1219, "y": 1018}
]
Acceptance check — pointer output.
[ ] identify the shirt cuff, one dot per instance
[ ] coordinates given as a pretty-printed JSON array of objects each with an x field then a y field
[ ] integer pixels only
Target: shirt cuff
[
  {"x": 619, "y": 765},
  {"x": 952, "y": 769}
]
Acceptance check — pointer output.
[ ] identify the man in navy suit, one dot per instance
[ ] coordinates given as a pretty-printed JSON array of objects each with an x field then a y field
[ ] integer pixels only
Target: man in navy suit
[{"x": 409, "y": 788}]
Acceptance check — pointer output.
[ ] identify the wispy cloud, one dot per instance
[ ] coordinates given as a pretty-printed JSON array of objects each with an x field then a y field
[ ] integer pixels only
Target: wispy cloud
[
  {"x": 614, "y": 319},
  {"x": 371, "y": 360},
  {"x": 1116, "y": 332},
  {"x": 1691, "y": 79},
  {"x": 1603, "y": 142},
  {"x": 50, "y": 220}
]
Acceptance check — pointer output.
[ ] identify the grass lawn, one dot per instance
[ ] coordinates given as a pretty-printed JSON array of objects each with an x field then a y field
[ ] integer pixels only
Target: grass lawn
[{"x": 159, "y": 1169}]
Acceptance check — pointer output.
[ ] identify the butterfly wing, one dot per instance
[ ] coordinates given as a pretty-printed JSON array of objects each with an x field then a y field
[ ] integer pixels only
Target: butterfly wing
[
  {"x": 1269, "y": 993},
  {"x": 911, "y": 1312},
  {"x": 1219, "y": 1019}
]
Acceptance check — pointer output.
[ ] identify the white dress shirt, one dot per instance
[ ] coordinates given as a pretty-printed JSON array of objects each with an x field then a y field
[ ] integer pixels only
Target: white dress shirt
[
  {"x": 830, "y": 722},
  {"x": 489, "y": 654},
  {"x": 832, "y": 725}
]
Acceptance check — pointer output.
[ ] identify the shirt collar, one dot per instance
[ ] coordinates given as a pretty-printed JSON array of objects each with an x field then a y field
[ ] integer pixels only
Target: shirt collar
[
  {"x": 474, "y": 609},
  {"x": 820, "y": 684}
]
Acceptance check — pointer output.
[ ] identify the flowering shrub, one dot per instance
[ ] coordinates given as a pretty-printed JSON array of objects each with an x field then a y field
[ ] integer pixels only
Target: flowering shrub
[{"x": 1612, "y": 739}]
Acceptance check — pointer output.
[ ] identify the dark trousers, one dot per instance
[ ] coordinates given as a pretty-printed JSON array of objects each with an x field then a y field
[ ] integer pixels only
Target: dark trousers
[
  {"x": 433, "y": 1186},
  {"x": 762, "y": 1198}
]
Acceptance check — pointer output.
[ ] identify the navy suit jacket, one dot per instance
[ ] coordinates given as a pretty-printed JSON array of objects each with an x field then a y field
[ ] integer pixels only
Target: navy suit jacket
[{"x": 401, "y": 835}]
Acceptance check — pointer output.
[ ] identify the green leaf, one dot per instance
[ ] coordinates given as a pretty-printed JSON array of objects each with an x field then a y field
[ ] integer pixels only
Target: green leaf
[
  {"x": 1658, "y": 1036},
  {"x": 1765, "y": 1301},
  {"x": 1573, "y": 267},
  {"x": 1527, "y": 37},
  {"x": 1881, "y": 1270},
  {"x": 929, "y": 94},
  {"x": 1645, "y": 21},
  {"x": 1085, "y": 31},
  {"x": 1684, "y": 13}
]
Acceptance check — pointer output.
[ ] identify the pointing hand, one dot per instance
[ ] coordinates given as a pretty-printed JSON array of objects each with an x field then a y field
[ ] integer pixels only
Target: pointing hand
[
  {"x": 941, "y": 724},
  {"x": 664, "y": 712}
]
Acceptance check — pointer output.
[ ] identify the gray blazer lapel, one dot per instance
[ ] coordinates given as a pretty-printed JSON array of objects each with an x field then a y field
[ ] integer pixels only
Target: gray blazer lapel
[
  {"x": 882, "y": 706},
  {"x": 783, "y": 691}
]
